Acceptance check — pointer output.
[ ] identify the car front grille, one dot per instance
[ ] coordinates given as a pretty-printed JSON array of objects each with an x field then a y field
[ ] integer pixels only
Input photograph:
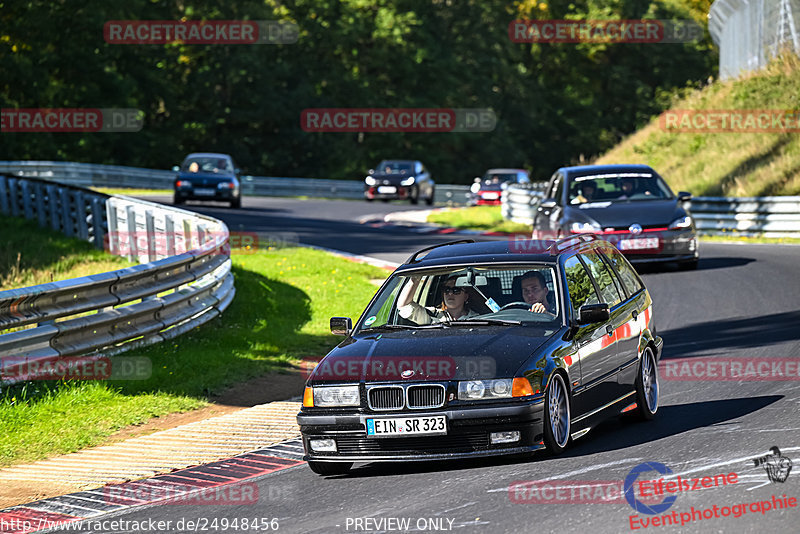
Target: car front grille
[
  {"x": 386, "y": 398},
  {"x": 462, "y": 442},
  {"x": 423, "y": 397}
]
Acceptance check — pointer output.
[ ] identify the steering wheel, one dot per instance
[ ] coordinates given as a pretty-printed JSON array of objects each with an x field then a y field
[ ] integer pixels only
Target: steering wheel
[{"x": 514, "y": 304}]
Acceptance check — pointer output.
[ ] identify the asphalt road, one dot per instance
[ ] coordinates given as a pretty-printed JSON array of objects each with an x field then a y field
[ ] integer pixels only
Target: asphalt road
[{"x": 742, "y": 302}]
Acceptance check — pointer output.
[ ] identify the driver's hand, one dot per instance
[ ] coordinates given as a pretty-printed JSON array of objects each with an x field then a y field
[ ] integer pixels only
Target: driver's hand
[{"x": 538, "y": 308}]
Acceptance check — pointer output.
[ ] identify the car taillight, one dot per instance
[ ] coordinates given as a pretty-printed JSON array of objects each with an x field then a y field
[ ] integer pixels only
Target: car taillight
[{"x": 182, "y": 183}]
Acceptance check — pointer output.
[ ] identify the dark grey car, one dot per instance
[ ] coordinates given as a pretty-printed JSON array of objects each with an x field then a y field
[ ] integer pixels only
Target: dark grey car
[
  {"x": 630, "y": 206},
  {"x": 208, "y": 176},
  {"x": 399, "y": 179}
]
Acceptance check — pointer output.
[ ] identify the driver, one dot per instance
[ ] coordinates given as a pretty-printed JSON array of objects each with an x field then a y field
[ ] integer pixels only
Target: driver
[
  {"x": 627, "y": 186},
  {"x": 588, "y": 190},
  {"x": 534, "y": 292},
  {"x": 455, "y": 303}
]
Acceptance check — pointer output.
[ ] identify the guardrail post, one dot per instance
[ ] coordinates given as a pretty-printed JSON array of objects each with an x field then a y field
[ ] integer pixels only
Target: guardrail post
[
  {"x": 26, "y": 199},
  {"x": 12, "y": 189},
  {"x": 80, "y": 216},
  {"x": 133, "y": 251},
  {"x": 113, "y": 232},
  {"x": 187, "y": 236},
  {"x": 149, "y": 223},
  {"x": 169, "y": 229},
  {"x": 97, "y": 222},
  {"x": 52, "y": 200},
  {"x": 41, "y": 210},
  {"x": 66, "y": 209},
  {"x": 4, "y": 194}
]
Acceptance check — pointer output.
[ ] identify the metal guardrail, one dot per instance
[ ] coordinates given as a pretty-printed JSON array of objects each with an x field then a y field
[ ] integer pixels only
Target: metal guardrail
[
  {"x": 756, "y": 216},
  {"x": 185, "y": 279},
  {"x": 91, "y": 175},
  {"x": 750, "y": 32}
]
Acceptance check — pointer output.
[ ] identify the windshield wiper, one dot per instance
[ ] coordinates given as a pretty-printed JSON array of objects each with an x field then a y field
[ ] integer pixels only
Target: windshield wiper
[
  {"x": 485, "y": 322},
  {"x": 403, "y": 326}
]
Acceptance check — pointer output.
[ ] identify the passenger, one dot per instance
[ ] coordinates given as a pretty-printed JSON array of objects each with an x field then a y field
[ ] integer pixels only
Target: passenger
[
  {"x": 194, "y": 167},
  {"x": 588, "y": 190},
  {"x": 627, "y": 187},
  {"x": 534, "y": 292},
  {"x": 455, "y": 304}
]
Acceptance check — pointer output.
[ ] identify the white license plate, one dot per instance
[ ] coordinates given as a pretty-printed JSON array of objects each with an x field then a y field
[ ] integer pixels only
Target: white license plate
[
  {"x": 205, "y": 192},
  {"x": 407, "y": 426},
  {"x": 387, "y": 189},
  {"x": 491, "y": 196},
  {"x": 641, "y": 243}
]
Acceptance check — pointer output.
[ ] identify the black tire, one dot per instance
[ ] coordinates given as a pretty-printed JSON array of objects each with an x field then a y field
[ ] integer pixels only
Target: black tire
[
  {"x": 236, "y": 203},
  {"x": 413, "y": 195},
  {"x": 369, "y": 199},
  {"x": 330, "y": 468},
  {"x": 429, "y": 200},
  {"x": 556, "y": 415},
  {"x": 647, "y": 388},
  {"x": 178, "y": 200},
  {"x": 690, "y": 265},
  {"x": 385, "y": 200}
]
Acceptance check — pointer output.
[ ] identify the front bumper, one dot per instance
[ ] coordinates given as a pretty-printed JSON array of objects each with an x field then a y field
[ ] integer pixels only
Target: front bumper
[
  {"x": 673, "y": 245},
  {"x": 468, "y": 430},
  {"x": 219, "y": 194}
]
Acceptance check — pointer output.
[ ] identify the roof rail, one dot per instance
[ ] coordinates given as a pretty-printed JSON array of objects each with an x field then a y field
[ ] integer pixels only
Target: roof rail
[
  {"x": 414, "y": 257},
  {"x": 571, "y": 241}
]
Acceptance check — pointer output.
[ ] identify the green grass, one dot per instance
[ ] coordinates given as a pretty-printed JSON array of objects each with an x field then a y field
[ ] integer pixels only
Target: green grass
[
  {"x": 484, "y": 218},
  {"x": 756, "y": 239},
  {"x": 132, "y": 192},
  {"x": 726, "y": 164},
  {"x": 284, "y": 300},
  {"x": 31, "y": 255}
]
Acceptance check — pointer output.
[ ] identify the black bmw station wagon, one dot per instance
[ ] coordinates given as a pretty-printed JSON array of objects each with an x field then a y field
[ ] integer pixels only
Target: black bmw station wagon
[{"x": 479, "y": 349}]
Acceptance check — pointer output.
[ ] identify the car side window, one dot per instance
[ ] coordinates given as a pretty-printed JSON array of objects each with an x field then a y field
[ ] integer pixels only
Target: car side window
[
  {"x": 604, "y": 280},
  {"x": 626, "y": 273},
  {"x": 614, "y": 276},
  {"x": 580, "y": 287}
]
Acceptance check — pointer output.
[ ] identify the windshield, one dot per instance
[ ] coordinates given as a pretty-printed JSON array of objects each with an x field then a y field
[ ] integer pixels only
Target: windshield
[
  {"x": 207, "y": 165},
  {"x": 618, "y": 187},
  {"x": 516, "y": 295},
  {"x": 499, "y": 178},
  {"x": 393, "y": 167}
]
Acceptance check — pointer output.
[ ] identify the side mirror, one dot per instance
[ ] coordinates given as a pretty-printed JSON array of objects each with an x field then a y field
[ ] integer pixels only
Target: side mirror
[
  {"x": 684, "y": 196},
  {"x": 593, "y": 313},
  {"x": 371, "y": 171},
  {"x": 547, "y": 204},
  {"x": 176, "y": 168},
  {"x": 341, "y": 326},
  {"x": 476, "y": 180}
]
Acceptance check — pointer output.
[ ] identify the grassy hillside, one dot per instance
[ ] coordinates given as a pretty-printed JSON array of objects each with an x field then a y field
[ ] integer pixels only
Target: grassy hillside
[{"x": 726, "y": 164}]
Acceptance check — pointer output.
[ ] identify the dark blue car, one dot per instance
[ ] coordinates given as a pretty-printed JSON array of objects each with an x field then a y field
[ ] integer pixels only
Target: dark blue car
[{"x": 208, "y": 176}]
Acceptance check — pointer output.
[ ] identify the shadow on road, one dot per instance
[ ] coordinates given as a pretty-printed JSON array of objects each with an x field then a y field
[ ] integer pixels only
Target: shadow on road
[
  {"x": 738, "y": 333},
  {"x": 705, "y": 264},
  {"x": 614, "y": 434}
]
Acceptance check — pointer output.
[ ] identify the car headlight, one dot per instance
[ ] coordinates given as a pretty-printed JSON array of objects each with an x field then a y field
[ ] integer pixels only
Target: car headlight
[
  {"x": 475, "y": 187},
  {"x": 370, "y": 180},
  {"x": 407, "y": 181},
  {"x": 484, "y": 389},
  {"x": 336, "y": 396},
  {"x": 225, "y": 185},
  {"x": 585, "y": 228},
  {"x": 682, "y": 222}
]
